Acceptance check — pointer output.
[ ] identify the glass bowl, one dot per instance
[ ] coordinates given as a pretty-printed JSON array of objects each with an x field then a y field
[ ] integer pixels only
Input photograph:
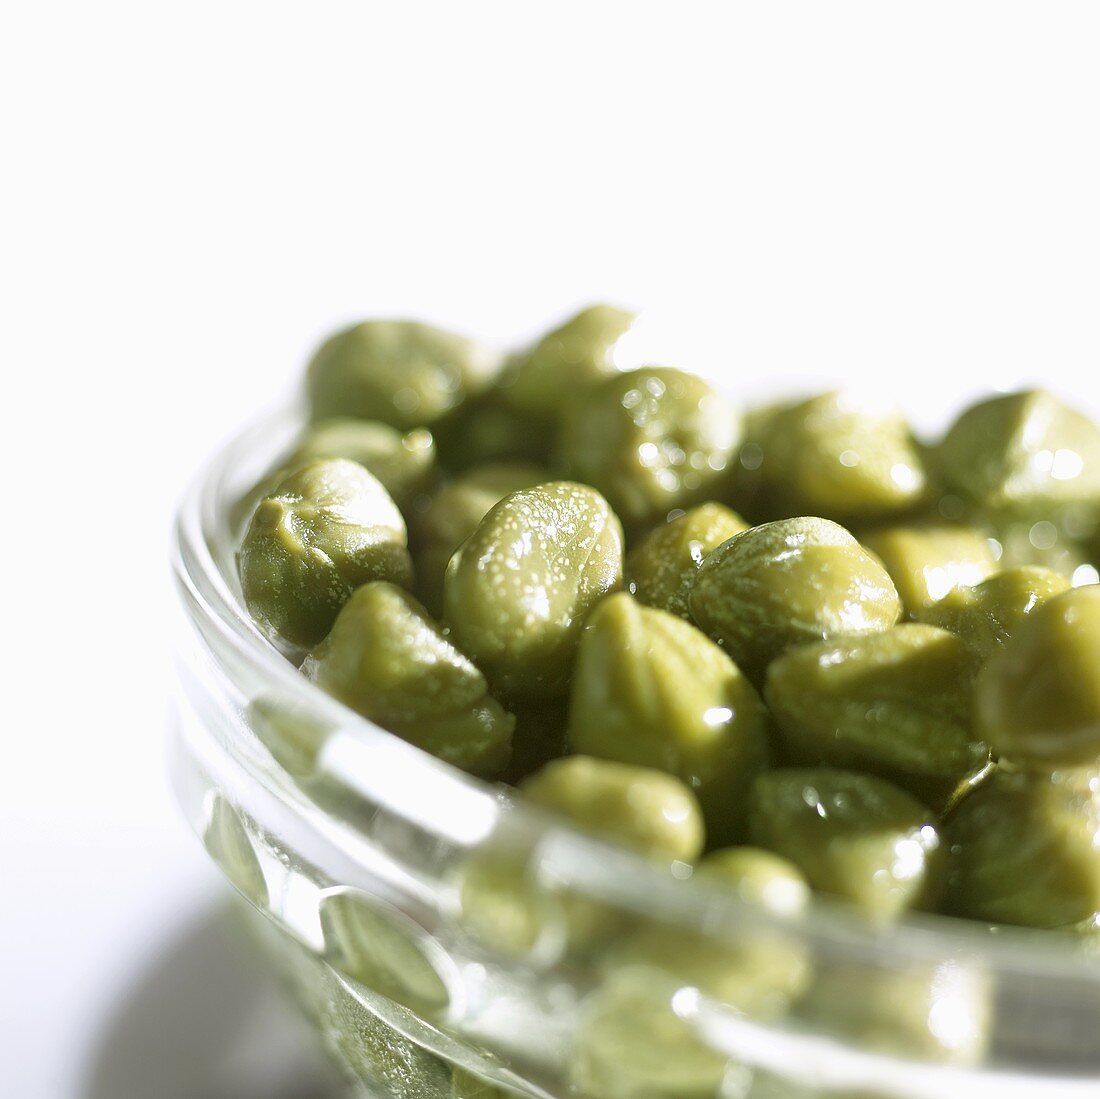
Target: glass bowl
[{"x": 449, "y": 942}]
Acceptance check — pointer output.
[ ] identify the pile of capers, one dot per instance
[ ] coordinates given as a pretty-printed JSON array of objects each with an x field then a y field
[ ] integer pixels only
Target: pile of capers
[{"x": 862, "y": 661}]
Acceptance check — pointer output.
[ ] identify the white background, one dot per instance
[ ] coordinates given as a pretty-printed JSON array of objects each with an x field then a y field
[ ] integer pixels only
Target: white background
[{"x": 901, "y": 194}]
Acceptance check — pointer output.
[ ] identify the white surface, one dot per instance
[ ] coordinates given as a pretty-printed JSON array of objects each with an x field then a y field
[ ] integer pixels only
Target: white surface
[{"x": 193, "y": 193}]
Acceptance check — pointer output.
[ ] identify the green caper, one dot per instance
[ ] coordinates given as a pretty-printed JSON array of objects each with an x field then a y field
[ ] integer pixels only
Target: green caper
[
  {"x": 838, "y": 455},
  {"x": 936, "y": 1012},
  {"x": 403, "y": 461},
  {"x": 380, "y": 948},
  {"x": 1037, "y": 700},
  {"x": 502, "y": 905},
  {"x": 452, "y": 514},
  {"x": 986, "y": 615},
  {"x": 853, "y": 835},
  {"x": 387, "y": 659},
  {"x": 400, "y": 372},
  {"x": 228, "y": 843},
  {"x": 788, "y": 583},
  {"x": 759, "y": 971},
  {"x": 518, "y": 591},
  {"x": 538, "y": 382},
  {"x": 324, "y": 530},
  {"x": 927, "y": 563},
  {"x": 661, "y": 569},
  {"x": 631, "y": 1044},
  {"x": 757, "y": 877},
  {"x": 1022, "y": 453},
  {"x": 895, "y": 703},
  {"x": 646, "y": 810},
  {"x": 650, "y": 440},
  {"x": 1023, "y": 850},
  {"x": 650, "y": 689},
  {"x": 290, "y": 730}
]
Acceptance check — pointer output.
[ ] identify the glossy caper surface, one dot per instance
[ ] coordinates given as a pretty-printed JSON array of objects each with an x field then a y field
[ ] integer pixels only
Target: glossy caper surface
[
  {"x": 651, "y": 689},
  {"x": 788, "y": 583},
  {"x": 319, "y": 534},
  {"x": 518, "y": 590},
  {"x": 400, "y": 372},
  {"x": 651, "y": 440}
]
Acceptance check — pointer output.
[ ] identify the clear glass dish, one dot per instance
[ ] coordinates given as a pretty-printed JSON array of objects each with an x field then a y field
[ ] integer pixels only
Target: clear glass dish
[{"x": 446, "y": 940}]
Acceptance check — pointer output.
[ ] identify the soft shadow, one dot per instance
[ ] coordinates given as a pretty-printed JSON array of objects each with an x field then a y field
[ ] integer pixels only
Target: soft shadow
[{"x": 207, "y": 1022}]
